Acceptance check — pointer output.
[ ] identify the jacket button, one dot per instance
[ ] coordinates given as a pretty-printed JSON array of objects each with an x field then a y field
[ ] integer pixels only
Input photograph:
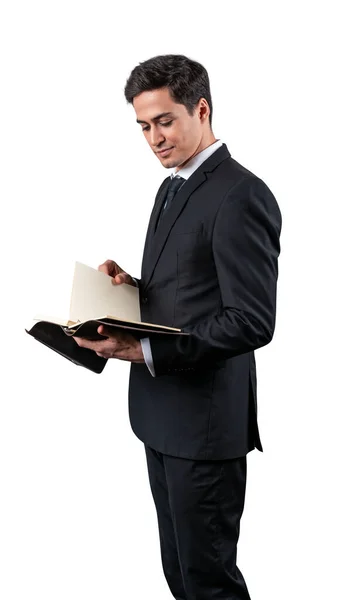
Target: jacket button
[{"x": 144, "y": 300}]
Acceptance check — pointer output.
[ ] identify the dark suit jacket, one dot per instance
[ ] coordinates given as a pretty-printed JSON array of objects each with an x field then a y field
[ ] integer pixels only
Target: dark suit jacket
[{"x": 210, "y": 269}]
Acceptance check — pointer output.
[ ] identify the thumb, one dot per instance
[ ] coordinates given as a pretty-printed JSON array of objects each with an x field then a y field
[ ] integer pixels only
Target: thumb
[{"x": 121, "y": 278}]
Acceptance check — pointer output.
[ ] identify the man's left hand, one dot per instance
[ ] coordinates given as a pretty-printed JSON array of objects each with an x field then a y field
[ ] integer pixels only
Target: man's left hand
[{"x": 116, "y": 344}]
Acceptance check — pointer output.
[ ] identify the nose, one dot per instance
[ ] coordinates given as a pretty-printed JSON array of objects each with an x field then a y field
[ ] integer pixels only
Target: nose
[{"x": 156, "y": 136}]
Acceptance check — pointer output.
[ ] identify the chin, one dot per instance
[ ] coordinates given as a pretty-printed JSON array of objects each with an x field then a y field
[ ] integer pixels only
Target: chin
[{"x": 170, "y": 163}]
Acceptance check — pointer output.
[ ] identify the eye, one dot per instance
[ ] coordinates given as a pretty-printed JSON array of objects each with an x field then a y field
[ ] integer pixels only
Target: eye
[
  {"x": 167, "y": 123},
  {"x": 145, "y": 128}
]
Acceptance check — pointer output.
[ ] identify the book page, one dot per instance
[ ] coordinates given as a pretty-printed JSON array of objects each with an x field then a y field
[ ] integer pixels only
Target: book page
[{"x": 93, "y": 295}]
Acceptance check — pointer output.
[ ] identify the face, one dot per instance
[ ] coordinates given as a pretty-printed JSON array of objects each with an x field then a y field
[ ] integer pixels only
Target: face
[{"x": 173, "y": 135}]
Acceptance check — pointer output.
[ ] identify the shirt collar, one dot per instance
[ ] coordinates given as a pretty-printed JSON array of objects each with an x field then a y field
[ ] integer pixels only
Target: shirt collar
[{"x": 196, "y": 162}]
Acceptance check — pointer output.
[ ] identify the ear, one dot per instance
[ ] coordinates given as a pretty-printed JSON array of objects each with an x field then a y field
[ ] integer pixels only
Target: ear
[{"x": 203, "y": 110}]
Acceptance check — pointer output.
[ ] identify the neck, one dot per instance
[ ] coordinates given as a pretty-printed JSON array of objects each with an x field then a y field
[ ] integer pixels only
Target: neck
[{"x": 205, "y": 143}]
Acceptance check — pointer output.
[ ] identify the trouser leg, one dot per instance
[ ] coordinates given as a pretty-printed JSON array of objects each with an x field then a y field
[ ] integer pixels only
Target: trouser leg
[
  {"x": 168, "y": 545},
  {"x": 206, "y": 500}
]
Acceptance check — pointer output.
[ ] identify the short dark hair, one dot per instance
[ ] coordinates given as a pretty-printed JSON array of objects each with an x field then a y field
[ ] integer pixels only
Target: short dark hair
[{"x": 186, "y": 79}]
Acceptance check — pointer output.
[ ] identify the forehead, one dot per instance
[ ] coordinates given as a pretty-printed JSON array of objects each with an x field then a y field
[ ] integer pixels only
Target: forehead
[{"x": 149, "y": 105}]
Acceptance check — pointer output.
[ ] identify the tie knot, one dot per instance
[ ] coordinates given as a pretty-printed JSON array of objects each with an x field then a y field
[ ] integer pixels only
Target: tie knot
[{"x": 175, "y": 184}]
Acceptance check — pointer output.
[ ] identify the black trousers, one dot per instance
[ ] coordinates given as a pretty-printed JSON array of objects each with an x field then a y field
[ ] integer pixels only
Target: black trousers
[{"x": 199, "y": 504}]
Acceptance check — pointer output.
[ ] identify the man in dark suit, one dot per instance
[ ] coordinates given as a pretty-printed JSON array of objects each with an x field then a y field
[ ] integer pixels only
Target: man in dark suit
[{"x": 210, "y": 268}]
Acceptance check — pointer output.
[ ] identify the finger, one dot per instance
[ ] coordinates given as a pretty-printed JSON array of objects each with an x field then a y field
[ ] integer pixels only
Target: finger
[
  {"x": 83, "y": 343},
  {"x": 103, "y": 331},
  {"x": 108, "y": 267},
  {"x": 113, "y": 333},
  {"x": 122, "y": 278},
  {"x": 105, "y": 267}
]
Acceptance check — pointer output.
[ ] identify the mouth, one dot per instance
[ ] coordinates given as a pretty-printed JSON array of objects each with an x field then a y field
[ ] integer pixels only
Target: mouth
[{"x": 165, "y": 151}]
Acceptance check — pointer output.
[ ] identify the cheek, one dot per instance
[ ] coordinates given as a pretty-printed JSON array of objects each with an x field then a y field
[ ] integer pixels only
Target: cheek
[
  {"x": 179, "y": 139},
  {"x": 187, "y": 137},
  {"x": 171, "y": 136}
]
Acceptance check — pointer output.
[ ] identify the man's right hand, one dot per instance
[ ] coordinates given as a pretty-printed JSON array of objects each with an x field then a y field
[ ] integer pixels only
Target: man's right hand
[{"x": 118, "y": 275}]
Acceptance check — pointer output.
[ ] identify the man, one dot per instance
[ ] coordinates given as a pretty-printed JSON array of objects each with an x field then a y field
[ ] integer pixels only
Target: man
[{"x": 210, "y": 268}]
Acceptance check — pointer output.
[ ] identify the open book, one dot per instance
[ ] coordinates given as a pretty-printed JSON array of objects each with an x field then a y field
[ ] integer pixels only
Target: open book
[{"x": 94, "y": 301}]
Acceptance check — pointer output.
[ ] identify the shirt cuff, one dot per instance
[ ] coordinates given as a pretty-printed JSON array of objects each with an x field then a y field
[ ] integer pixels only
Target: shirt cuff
[{"x": 147, "y": 352}]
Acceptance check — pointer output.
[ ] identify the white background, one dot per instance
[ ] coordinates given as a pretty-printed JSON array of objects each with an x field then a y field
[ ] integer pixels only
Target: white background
[{"x": 78, "y": 182}]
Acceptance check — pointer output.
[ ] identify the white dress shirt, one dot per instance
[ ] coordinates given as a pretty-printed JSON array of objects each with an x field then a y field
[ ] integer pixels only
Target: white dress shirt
[{"x": 185, "y": 172}]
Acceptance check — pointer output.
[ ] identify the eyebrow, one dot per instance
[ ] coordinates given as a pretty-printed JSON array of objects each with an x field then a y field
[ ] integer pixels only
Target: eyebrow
[{"x": 164, "y": 114}]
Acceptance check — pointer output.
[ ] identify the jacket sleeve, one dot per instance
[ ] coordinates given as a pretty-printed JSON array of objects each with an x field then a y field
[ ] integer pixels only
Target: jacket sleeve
[{"x": 245, "y": 245}]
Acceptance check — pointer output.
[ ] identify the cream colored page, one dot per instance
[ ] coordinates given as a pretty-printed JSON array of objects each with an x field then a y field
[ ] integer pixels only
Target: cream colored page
[{"x": 93, "y": 296}]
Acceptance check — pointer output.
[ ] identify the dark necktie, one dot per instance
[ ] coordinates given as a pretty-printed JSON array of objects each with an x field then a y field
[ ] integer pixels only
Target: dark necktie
[{"x": 174, "y": 185}]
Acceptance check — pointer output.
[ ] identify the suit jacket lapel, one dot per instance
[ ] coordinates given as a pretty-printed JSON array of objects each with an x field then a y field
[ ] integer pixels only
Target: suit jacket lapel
[
  {"x": 155, "y": 241},
  {"x": 152, "y": 223}
]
